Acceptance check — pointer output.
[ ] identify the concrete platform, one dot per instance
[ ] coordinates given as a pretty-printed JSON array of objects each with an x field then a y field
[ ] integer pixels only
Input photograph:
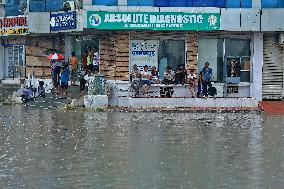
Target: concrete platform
[{"x": 172, "y": 103}]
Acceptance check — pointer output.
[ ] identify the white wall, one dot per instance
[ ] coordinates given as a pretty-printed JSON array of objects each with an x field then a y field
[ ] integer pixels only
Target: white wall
[
  {"x": 39, "y": 22},
  {"x": 256, "y": 87},
  {"x": 2, "y": 11},
  {"x": 272, "y": 19}
]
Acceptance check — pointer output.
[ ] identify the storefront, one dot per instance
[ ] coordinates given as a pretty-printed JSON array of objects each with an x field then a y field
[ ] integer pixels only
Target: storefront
[
  {"x": 230, "y": 57},
  {"x": 173, "y": 39},
  {"x": 12, "y": 30}
]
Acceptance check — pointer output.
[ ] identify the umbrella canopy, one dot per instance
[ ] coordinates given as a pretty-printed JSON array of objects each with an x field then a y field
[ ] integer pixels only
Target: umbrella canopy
[{"x": 56, "y": 56}]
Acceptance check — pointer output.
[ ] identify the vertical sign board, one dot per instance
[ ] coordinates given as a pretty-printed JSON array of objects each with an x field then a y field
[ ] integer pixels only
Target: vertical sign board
[
  {"x": 144, "y": 52},
  {"x": 63, "y": 21}
]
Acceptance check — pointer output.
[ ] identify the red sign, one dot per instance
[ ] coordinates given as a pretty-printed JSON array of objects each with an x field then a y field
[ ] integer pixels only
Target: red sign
[{"x": 13, "y": 25}]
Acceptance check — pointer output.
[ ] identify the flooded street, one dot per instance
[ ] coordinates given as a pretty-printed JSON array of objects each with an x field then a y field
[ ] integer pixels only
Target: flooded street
[{"x": 75, "y": 149}]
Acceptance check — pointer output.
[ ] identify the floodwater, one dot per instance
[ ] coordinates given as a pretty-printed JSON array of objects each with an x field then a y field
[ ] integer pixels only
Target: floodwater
[{"x": 74, "y": 149}]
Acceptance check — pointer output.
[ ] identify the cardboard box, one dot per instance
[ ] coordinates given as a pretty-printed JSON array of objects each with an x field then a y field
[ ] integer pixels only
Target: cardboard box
[{"x": 247, "y": 65}]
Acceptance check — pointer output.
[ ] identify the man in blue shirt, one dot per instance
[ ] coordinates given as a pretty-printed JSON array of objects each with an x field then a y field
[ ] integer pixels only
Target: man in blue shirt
[
  {"x": 65, "y": 74},
  {"x": 207, "y": 77}
]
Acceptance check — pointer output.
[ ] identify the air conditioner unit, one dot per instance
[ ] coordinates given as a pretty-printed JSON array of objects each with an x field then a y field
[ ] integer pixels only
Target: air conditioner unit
[
  {"x": 2, "y": 2},
  {"x": 281, "y": 38},
  {"x": 68, "y": 5}
]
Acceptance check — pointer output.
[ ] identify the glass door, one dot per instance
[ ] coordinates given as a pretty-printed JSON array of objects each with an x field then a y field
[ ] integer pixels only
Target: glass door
[{"x": 171, "y": 53}]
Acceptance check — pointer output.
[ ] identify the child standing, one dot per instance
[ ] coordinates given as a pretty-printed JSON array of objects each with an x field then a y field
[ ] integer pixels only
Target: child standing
[
  {"x": 64, "y": 80},
  {"x": 192, "y": 83},
  {"x": 84, "y": 81}
]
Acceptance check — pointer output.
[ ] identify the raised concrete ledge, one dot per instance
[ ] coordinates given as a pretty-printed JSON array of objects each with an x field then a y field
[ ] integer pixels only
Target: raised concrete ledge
[
  {"x": 96, "y": 101},
  {"x": 172, "y": 103}
]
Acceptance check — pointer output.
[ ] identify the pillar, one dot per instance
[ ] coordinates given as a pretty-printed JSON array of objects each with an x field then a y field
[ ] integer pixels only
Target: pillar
[
  {"x": 2, "y": 59},
  {"x": 256, "y": 87},
  {"x": 68, "y": 46}
]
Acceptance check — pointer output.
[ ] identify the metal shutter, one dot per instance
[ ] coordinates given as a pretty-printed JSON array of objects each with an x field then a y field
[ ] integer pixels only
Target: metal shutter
[{"x": 272, "y": 81}]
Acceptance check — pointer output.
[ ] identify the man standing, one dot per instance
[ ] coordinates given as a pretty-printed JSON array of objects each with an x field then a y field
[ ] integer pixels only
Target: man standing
[
  {"x": 74, "y": 68},
  {"x": 207, "y": 77}
]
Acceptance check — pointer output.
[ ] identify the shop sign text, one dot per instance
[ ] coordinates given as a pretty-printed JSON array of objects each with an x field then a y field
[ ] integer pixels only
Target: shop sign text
[
  {"x": 63, "y": 21},
  {"x": 13, "y": 25},
  {"x": 153, "y": 20}
]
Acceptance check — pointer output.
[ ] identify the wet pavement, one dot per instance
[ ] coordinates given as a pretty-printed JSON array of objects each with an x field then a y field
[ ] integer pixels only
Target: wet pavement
[{"x": 50, "y": 148}]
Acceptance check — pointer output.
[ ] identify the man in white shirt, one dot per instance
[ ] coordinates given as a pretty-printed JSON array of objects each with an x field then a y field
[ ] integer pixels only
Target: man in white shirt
[{"x": 146, "y": 77}]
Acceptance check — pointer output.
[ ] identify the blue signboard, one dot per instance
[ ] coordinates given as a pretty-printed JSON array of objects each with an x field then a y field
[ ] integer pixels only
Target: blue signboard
[{"x": 63, "y": 21}]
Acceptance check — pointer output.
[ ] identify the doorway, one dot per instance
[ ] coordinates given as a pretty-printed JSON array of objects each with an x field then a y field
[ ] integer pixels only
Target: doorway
[{"x": 171, "y": 53}]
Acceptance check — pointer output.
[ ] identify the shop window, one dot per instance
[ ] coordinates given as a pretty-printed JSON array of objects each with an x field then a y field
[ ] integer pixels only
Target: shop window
[
  {"x": 171, "y": 53},
  {"x": 209, "y": 3},
  {"x": 238, "y": 3},
  {"x": 54, "y": 5},
  {"x": 105, "y": 2},
  {"x": 238, "y": 60},
  {"x": 140, "y": 2},
  {"x": 173, "y": 3},
  {"x": 272, "y": 3},
  {"x": 37, "y": 5}
]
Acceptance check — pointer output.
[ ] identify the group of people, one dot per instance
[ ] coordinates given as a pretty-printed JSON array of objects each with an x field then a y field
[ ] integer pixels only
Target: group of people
[
  {"x": 90, "y": 60},
  {"x": 143, "y": 79},
  {"x": 63, "y": 71}
]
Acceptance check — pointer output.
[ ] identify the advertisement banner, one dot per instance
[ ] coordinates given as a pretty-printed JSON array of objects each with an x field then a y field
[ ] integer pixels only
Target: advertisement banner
[
  {"x": 13, "y": 25},
  {"x": 153, "y": 20},
  {"x": 63, "y": 21},
  {"x": 144, "y": 52}
]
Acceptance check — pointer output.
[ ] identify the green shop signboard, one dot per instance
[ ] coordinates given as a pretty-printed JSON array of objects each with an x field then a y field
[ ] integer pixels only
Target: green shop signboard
[{"x": 153, "y": 20}]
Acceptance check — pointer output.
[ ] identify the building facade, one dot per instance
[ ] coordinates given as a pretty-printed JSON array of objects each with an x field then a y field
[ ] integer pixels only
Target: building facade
[
  {"x": 189, "y": 33},
  {"x": 237, "y": 37}
]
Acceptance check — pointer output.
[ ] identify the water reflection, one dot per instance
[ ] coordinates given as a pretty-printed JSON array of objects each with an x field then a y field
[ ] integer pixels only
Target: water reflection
[{"x": 74, "y": 149}]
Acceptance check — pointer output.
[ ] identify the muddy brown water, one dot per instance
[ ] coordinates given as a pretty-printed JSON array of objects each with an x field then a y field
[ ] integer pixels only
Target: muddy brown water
[{"x": 75, "y": 149}]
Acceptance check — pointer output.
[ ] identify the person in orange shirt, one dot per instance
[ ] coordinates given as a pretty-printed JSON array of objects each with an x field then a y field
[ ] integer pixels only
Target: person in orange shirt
[{"x": 74, "y": 66}]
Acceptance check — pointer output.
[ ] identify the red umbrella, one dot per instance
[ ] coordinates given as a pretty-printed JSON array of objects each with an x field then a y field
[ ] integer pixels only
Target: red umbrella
[{"x": 56, "y": 56}]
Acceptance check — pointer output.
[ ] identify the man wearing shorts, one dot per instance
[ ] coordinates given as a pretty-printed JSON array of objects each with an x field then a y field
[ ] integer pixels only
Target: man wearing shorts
[
  {"x": 146, "y": 77},
  {"x": 64, "y": 80}
]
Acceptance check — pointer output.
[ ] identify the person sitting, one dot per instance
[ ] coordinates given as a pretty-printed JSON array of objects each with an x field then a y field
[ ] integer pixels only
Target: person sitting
[
  {"x": 192, "y": 83},
  {"x": 28, "y": 94},
  {"x": 180, "y": 75},
  {"x": 155, "y": 75},
  {"x": 82, "y": 80},
  {"x": 135, "y": 78},
  {"x": 41, "y": 89},
  {"x": 169, "y": 76},
  {"x": 145, "y": 79}
]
